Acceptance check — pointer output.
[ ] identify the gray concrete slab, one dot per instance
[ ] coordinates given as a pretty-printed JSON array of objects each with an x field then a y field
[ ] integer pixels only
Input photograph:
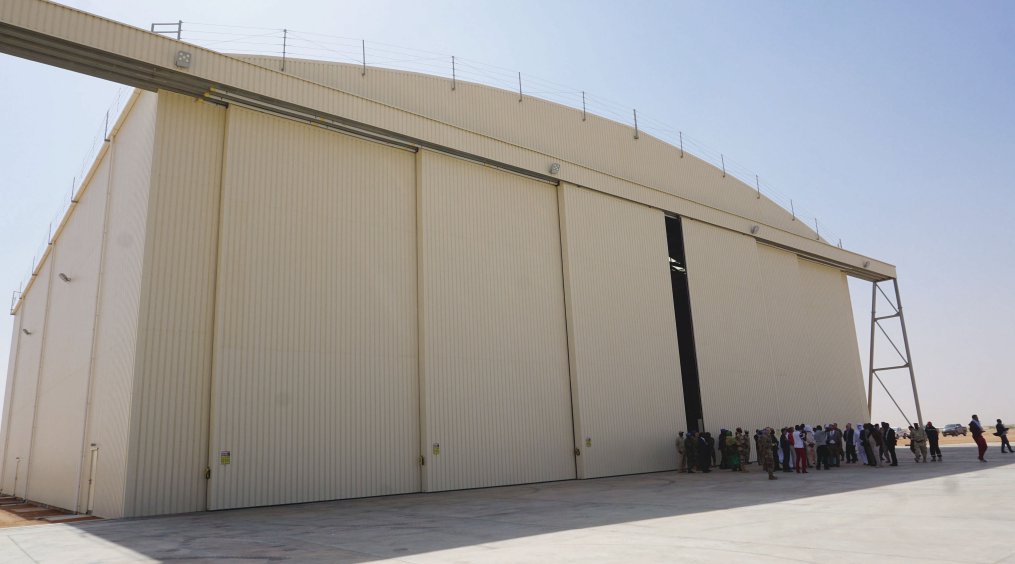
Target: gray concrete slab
[{"x": 952, "y": 511}]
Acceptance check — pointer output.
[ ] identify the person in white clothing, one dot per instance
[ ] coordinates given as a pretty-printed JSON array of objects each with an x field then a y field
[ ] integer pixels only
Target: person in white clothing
[{"x": 861, "y": 453}]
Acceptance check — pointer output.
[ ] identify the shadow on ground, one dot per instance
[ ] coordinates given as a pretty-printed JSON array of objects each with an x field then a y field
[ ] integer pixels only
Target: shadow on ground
[{"x": 363, "y": 530}]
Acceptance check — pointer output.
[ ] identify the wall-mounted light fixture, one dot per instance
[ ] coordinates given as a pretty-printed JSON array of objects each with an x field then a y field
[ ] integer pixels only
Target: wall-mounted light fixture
[
  {"x": 555, "y": 168},
  {"x": 183, "y": 59},
  {"x": 26, "y": 331},
  {"x": 866, "y": 263},
  {"x": 755, "y": 229},
  {"x": 64, "y": 277}
]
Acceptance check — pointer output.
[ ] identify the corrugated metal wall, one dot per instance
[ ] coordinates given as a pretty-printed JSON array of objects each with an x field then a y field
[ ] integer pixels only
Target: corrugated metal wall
[
  {"x": 836, "y": 378},
  {"x": 118, "y": 302},
  {"x": 18, "y": 435},
  {"x": 172, "y": 370},
  {"x": 316, "y": 391},
  {"x": 731, "y": 325},
  {"x": 5, "y": 422},
  {"x": 625, "y": 360},
  {"x": 64, "y": 373},
  {"x": 495, "y": 382}
]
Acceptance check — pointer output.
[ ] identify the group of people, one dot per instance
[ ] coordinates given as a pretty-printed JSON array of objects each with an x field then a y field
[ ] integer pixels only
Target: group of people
[{"x": 803, "y": 447}]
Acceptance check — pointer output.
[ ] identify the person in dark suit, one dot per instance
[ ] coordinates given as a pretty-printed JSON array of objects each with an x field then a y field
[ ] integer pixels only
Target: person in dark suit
[
  {"x": 849, "y": 436},
  {"x": 691, "y": 448},
  {"x": 890, "y": 441},
  {"x": 704, "y": 458}
]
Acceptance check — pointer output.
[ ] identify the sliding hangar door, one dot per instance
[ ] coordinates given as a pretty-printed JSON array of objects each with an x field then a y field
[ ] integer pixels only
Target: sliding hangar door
[{"x": 389, "y": 322}]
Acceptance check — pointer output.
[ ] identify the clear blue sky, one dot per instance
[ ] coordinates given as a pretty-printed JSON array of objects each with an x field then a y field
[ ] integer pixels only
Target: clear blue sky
[{"x": 891, "y": 122}]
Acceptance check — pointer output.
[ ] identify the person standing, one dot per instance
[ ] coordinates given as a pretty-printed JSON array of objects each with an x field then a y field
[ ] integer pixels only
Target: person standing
[
  {"x": 704, "y": 460},
  {"x": 919, "y": 438},
  {"x": 743, "y": 448},
  {"x": 710, "y": 445},
  {"x": 800, "y": 448},
  {"x": 849, "y": 436},
  {"x": 690, "y": 446},
  {"x": 821, "y": 440},
  {"x": 681, "y": 453},
  {"x": 932, "y": 438},
  {"x": 879, "y": 440},
  {"x": 835, "y": 445},
  {"x": 812, "y": 447},
  {"x": 787, "y": 448},
  {"x": 860, "y": 438},
  {"x": 873, "y": 449},
  {"x": 765, "y": 452},
  {"x": 732, "y": 450},
  {"x": 977, "y": 430},
  {"x": 1002, "y": 432},
  {"x": 891, "y": 439}
]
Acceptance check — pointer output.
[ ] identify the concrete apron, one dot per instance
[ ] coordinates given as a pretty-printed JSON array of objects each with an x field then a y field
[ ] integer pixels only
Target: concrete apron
[{"x": 935, "y": 512}]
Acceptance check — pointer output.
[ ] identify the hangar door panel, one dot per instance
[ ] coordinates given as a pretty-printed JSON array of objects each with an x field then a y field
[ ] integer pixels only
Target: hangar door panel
[
  {"x": 315, "y": 388},
  {"x": 626, "y": 365},
  {"x": 731, "y": 329},
  {"x": 496, "y": 398}
]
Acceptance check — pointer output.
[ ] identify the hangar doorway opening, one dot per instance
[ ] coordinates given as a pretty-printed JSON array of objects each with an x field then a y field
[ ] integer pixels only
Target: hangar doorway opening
[{"x": 685, "y": 329}]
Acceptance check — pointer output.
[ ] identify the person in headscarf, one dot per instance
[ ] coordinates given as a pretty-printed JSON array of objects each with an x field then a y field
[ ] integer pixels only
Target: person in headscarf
[
  {"x": 932, "y": 438},
  {"x": 860, "y": 444},
  {"x": 732, "y": 449},
  {"x": 812, "y": 447}
]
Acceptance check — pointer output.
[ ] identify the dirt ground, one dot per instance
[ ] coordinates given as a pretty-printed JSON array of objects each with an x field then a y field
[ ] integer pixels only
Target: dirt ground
[{"x": 14, "y": 513}]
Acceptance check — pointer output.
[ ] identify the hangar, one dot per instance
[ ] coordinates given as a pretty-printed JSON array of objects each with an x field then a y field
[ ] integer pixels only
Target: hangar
[{"x": 279, "y": 287}]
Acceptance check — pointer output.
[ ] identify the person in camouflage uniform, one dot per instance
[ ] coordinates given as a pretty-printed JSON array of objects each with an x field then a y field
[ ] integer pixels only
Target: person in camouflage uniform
[
  {"x": 765, "y": 453},
  {"x": 743, "y": 448}
]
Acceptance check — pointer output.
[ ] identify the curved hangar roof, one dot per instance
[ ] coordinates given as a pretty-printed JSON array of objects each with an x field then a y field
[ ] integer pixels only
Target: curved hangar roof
[{"x": 472, "y": 121}]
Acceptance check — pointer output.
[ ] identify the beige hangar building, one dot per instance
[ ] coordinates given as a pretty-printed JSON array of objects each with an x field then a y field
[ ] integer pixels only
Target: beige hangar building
[{"x": 279, "y": 287}]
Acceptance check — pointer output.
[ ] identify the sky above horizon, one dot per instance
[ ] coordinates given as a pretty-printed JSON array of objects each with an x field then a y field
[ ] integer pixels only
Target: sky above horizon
[{"x": 893, "y": 123}]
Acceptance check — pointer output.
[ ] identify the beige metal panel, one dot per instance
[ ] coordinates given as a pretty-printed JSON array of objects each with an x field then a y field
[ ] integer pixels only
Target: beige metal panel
[
  {"x": 495, "y": 384},
  {"x": 731, "y": 329},
  {"x": 315, "y": 383},
  {"x": 779, "y": 280},
  {"x": 63, "y": 385},
  {"x": 168, "y": 448},
  {"x": 118, "y": 304},
  {"x": 625, "y": 364},
  {"x": 546, "y": 127},
  {"x": 12, "y": 367},
  {"x": 596, "y": 153},
  {"x": 21, "y": 422},
  {"x": 836, "y": 382}
]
